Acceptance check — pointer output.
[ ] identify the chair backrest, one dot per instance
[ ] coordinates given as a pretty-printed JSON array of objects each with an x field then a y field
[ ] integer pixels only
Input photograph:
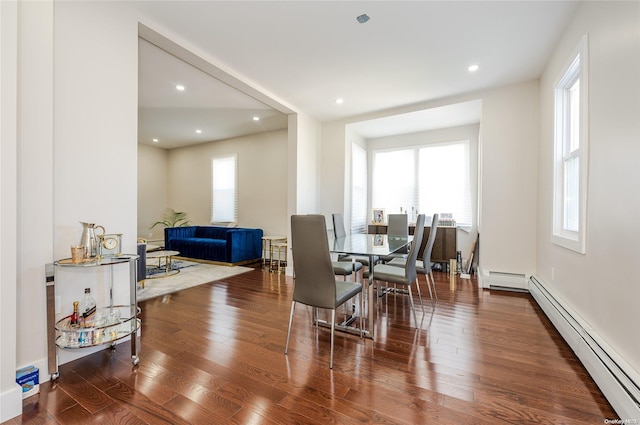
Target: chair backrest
[
  {"x": 338, "y": 225},
  {"x": 410, "y": 265},
  {"x": 315, "y": 282},
  {"x": 141, "y": 269},
  {"x": 398, "y": 225},
  {"x": 426, "y": 255}
]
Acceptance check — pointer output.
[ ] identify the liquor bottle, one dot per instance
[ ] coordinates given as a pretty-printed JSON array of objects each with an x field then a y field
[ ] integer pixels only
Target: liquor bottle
[
  {"x": 75, "y": 317},
  {"x": 87, "y": 308}
]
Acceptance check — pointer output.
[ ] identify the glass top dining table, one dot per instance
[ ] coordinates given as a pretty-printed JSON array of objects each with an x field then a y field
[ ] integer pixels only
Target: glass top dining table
[{"x": 371, "y": 246}]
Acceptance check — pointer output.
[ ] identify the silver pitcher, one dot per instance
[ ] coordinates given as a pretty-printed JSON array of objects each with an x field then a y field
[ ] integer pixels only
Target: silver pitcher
[{"x": 89, "y": 239}]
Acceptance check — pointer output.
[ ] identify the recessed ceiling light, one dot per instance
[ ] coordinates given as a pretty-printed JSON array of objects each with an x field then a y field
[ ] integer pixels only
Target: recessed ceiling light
[
  {"x": 339, "y": 101},
  {"x": 180, "y": 87},
  {"x": 155, "y": 140},
  {"x": 256, "y": 118},
  {"x": 473, "y": 68},
  {"x": 363, "y": 19},
  {"x": 198, "y": 131}
]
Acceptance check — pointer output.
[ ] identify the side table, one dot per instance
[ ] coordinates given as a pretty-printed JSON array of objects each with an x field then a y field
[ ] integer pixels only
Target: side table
[
  {"x": 279, "y": 248},
  {"x": 267, "y": 247},
  {"x": 168, "y": 262}
]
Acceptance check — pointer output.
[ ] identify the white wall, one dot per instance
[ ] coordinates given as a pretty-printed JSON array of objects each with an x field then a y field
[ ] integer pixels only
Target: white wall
[
  {"x": 153, "y": 178},
  {"x": 469, "y": 132},
  {"x": 95, "y": 138},
  {"x": 307, "y": 161},
  {"x": 333, "y": 196},
  {"x": 508, "y": 136},
  {"x": 35, "y": 171},
  {"x": 262, "y": 180},
  {"x": 77, "y": 164},
  {"x": 10, "y": 392},
  {"x": 352, "y": 138},
  {"x": 600, "y": 285}
]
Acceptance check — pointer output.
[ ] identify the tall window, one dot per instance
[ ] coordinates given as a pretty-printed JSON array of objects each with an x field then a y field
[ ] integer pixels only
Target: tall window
[
  {"x": 358, "y": 189},
  {"x": 570, "y": 157},
  {"x": 394, "y": 180},
  {"x": 426, "y": 179},
  {"x": 444, "y": 181},
  {"x": 224, "y": 190}
]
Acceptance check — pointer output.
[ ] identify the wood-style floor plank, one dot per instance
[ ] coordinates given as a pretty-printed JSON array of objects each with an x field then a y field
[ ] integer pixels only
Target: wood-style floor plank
[{"x": 214, "y": 354}]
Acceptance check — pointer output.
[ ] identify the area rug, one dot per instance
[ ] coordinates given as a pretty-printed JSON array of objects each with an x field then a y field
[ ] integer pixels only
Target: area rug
[
  {"x": 155, "y": 271},
  {"x": 191, "y": 274}
]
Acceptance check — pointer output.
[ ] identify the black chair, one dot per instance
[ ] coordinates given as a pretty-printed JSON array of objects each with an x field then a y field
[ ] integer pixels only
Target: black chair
[{"x": 315, "y": 283}]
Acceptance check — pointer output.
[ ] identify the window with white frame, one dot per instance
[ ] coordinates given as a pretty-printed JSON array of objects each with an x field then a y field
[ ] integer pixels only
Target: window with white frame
[
  {"x": 424, "y": 179},
  {"x": 394, "y": 180},
  {"x": 358, "y": 189},
  {"x": 570, "y": 152},
  {"x": 224, "y": 190},
  {"x": 445, "y": 182}
]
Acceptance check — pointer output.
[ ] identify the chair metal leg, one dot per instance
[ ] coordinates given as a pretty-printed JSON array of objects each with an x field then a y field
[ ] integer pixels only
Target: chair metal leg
[
  {"x": 333, "y": 328},
  {"x": 419, "y": 294},
  {"x": 293, "y": 306},
  {"x": 430, "y": 292},
  {"x": 433, "y": 282},
  {"x": 362, "y": 312},
  {"x": 413, "y": 307}
]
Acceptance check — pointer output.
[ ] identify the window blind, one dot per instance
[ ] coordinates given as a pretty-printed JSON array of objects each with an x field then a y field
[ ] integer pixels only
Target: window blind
[
  {"x": 358, "y": 189},
  {"x": 394, "y": 181},
  {"x": 224, "y": 193},
  {"x": 424, "y": 180}
]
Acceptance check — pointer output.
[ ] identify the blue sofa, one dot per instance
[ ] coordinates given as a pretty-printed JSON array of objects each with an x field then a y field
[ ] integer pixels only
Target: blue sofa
[{"x": 232, "y": 245}]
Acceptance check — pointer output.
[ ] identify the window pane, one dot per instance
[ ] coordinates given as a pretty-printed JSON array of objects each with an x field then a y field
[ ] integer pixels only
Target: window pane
[
  {"x": 574, "y": 116},
  {"x": 394, "y": 181},
  {"x": 571, "y": 190},
  {"x": 570, "y": 151},
  {"x": 223, "y": 190},
  {"x": 359, "y": 190},
  {"x": 444, "y": 181}
]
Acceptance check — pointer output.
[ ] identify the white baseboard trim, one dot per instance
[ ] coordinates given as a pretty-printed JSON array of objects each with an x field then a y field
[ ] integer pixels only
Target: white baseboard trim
[
  {"x": 11, "y": 403},
  {"x": 619, "y": 383}
]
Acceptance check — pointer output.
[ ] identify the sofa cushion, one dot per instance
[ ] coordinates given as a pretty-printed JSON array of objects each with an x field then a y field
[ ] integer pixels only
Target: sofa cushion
[
  {"x": 211, "y": 232},
  {"x": 201, "y": 248},
  {"x": 179, "y": 232}
]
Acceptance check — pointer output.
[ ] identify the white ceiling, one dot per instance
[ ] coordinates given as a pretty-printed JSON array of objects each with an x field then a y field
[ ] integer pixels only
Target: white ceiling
[
  {"x": 308, "y": 53},
  {"x": 207, "y": 104}
]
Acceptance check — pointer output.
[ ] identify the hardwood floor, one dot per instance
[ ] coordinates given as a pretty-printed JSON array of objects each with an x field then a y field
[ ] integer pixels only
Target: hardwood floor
[{"x": 213, "y": 354}]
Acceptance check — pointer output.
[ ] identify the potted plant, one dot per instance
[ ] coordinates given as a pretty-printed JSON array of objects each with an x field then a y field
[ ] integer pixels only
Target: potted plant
[{"x": 172, "y": 218}]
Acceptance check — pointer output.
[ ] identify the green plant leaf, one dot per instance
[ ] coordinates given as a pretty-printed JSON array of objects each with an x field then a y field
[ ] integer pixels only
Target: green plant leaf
[{"x": 172, "y": 218}]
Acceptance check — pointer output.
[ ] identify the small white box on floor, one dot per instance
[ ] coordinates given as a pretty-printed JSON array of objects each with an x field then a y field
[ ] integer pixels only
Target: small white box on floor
[{"x": 29, "y": 379}]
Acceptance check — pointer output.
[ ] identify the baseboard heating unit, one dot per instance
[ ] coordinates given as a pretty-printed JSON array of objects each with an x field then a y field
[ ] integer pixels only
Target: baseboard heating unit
[
  {"x": 619, "y": 383},
  {"x": 504, "y": 281}
]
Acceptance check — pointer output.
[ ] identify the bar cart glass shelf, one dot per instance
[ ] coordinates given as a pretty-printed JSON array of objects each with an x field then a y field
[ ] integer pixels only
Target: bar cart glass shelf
[{"x": 109, "y": 324}]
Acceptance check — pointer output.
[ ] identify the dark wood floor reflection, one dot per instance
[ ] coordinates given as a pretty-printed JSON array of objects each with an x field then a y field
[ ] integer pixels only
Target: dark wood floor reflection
[{"x": 213, "y": 354}]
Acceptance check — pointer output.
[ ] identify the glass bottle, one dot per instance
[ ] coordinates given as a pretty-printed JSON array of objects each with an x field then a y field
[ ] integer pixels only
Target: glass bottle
[
  {"x": 75, "y": 317},
  {"x": 87, "y": 308}
]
